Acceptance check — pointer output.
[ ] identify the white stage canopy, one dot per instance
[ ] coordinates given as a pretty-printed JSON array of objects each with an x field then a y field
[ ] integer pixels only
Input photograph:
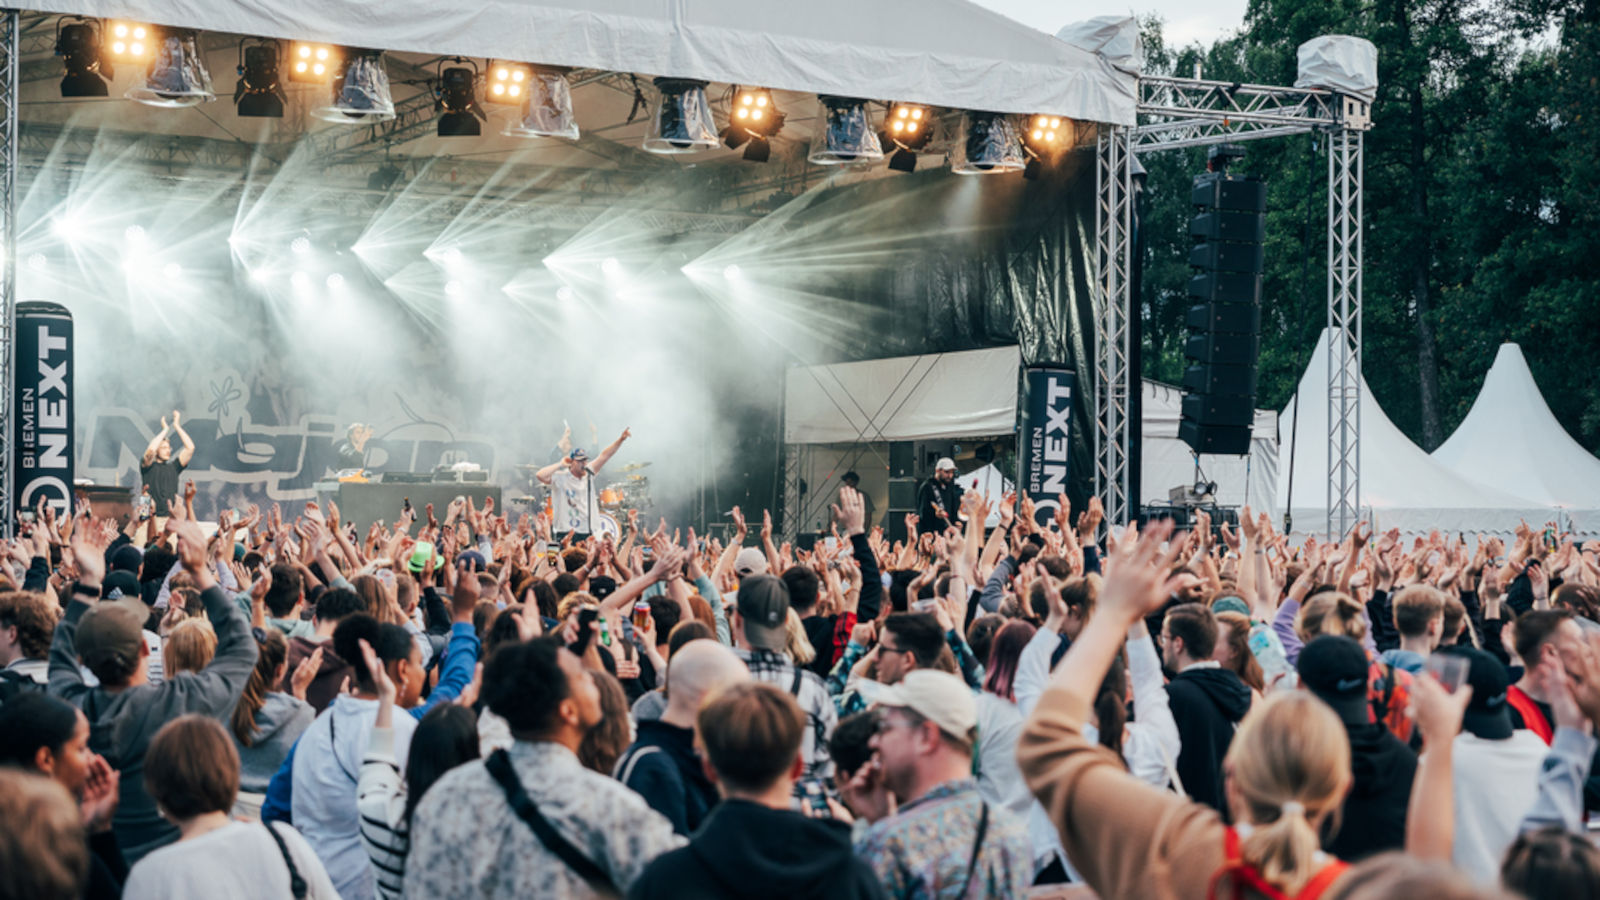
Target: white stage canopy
[
  {"x": 946, "y": 53},
  {"x": 1512, "y": 440},
  {"x": 972, "y": 393},
  {"x": 1401, "y": 486},
  {"x": 1168, "y": 462}
]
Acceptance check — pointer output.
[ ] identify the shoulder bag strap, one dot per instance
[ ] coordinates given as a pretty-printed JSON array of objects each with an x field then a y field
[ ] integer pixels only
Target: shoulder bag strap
[
  {"x": 297, "y": 885},
  {"x": 977, "y": 848},
  {"x": 794, "y": 688},
  {"x": 499, "y": 766}
]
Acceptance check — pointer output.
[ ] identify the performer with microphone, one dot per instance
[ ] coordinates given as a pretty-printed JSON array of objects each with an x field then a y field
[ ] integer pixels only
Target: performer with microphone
[{"x": 574, "y": 500}]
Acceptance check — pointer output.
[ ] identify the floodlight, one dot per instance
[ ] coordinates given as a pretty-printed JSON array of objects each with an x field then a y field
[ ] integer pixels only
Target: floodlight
[
  {"x": 335, "y": 281},
  {"x": 1044, "y": 137},
  {"x": 360, "y": 90},
  {"x": 508, "y": 83},
  {"x": 177, "y": 75},
  {"x": 611, "y": 266},
  {"x": 78, "y": 45},
  {"x": 993, "y": 146},
  {"x": 134, "y": 234},
  {"x": 131, "y": 42},
  {"x": 456, "y": 101},
  {"x": 565, "y": 294},
  {"x": 844, "y": 133},
  {"x": 172, "y": 271},
  {"x": 682, "y": 121},
  {"x": 908, "y": 129},
  {"x": 546, "y": 106},
  {"x": 300, "y": 245},
  {"x": 731, "y": 271},
  {"x": 752, "y": 117},
  {"x": 258, "y": 93},
  {"x": 313, "y": 63},
  {"x": 454, "y": 288}
]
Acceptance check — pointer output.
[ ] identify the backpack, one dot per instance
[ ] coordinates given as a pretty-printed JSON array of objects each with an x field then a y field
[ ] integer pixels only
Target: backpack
[{"x": 1242, "y": 875}]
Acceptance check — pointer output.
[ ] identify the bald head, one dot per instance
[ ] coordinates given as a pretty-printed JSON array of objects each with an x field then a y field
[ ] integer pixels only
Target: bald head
[{"x": 696, "y": 670}]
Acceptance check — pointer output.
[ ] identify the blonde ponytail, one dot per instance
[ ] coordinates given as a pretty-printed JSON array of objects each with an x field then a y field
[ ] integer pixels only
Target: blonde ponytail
[{"x": 1290, "y": 763}]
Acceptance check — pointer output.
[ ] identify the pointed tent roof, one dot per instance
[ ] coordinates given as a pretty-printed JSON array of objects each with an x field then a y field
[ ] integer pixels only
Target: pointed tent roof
[
  {"x": 1402, "y": 485},
  {"x": 1511, "y": 438}
]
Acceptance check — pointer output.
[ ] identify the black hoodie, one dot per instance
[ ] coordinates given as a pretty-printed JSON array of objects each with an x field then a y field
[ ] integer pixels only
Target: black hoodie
[
  {"x": 1207, "y": 704},
  {"x": 1374, "y": 817},
  {"x": 745, "y": 850}
]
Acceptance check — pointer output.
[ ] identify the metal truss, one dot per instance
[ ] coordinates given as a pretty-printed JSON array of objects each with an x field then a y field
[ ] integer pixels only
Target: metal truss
[
  {"x": 1193, "y": 112},
  {"x": 1345, "y": 176},
  {"x": 793, "y": 474},
  {"x": 1114, "y": 380},
  {"x": 10, "y": 41}
]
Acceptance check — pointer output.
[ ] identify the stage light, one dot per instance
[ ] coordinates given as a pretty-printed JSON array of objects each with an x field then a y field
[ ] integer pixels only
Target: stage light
[
  {"x": 508, "y": 83},
  {"x": 1044, "y": 137},
  {"x": 454, "y": 288},
  {"x": 300, "y": 280},
  {"x": 37, "y": 262},
  {"x": 259, "y": 275},
  {"x": 172, "y": 271},
  {"x": 908, "y": 129},
  {"x": 177, "y": 76},
  {"x": 547, "y": 107},
  {"x": 313, "y": 63},
  {"x": 844, "y": 133},
  {"x": 360, "y": 90},
  {"x": 451, "y": 255},
  {"x": 731, "y": 271},
  {"x": 335, "y": 281},
  {"x": 682, "y": 121},
  {"x": 753, "y": 117},
  {"x": 131, "y": 42},
  {"x": 134, "y": 234},
  {"x": 300, "y": 245},
  {"x": 78, "y": 45},
  {"x": 66, "y": 226},
  {"x": 565, "y": 294},
  {"x": 992, "y": 146},
  {"x": 611, "y": 266},
  {"x": 258, "y": 93},
  {"x": 456, "y": 101}
]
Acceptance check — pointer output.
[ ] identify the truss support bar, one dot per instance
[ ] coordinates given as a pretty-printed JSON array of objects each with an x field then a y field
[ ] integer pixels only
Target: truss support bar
[
  {"x": 1345, "y": 173},
  {"x": 1114, "y": 381},
  {"x": 10, "y": 46}
]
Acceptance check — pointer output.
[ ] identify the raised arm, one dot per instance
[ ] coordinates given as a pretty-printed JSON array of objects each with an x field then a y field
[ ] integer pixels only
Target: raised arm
[
  {"x": 610, "y": 451},
  {"x": 187, "y": 453},
  {"x": 150, "y": 451}
]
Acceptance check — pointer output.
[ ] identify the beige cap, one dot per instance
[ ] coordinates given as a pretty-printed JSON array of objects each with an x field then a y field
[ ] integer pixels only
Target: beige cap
[
  {"x": 945, "y": 464},
  {"x": 750, "y": 561},
  {"x": 941, "y": 698}
]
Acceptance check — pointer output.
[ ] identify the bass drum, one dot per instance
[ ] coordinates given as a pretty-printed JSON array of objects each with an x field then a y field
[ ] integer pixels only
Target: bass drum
[{"x": 607, "y": 526}]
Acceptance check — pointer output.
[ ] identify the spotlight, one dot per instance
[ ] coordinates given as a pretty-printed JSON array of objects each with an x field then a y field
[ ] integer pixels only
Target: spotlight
[
  {"x": 301, "y": 245},
  {"x": 993, "y": 145},
  {"x": 335, "y": 281},
  {"x": 547, "y": 106},
  {"x": 565, "y": 294},
  {"x": 611, "y": 266},
  {"x": 456, "y": 102},
  {"x": 844, "y": 133},
  {"x": 731, "y": 271},
  {"x": 508, "y": 83},
  {"x": 1043, "y": 139},
  {"x": 131, "y": 42},
  {"x": 133, "y": 234},
  {"x": 682, "y": 121},
  {"x": 754, "y": 118},
  {"x": 360, "y": 89},
  {"x": 313, "y": 63},
  {"x": 258, "y": 93},
  {"x": 451, "y": 255},
  {"x": 454, "y": 288},
  {"x": 78, "y": 45},
  {"x": 908, "y": 128},
  {"x": 259, "y": 275},
  {"x": 177, "y": 76},
  {"x": 172, "y": 271}
]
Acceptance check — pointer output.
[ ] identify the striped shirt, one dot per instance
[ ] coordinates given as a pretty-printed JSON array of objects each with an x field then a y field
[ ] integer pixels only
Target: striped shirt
[{"x": 381, "y": 799}]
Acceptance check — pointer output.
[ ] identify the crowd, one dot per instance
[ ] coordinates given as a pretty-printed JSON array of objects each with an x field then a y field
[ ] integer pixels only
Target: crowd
[{"x": 476, "y": 707}]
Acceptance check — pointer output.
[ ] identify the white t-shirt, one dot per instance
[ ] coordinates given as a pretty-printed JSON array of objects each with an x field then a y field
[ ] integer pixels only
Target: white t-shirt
[
  {"x": 239, "y": 861},
  {"x": 1495, "y": 784},
  {"x": 574, "y": 502}
]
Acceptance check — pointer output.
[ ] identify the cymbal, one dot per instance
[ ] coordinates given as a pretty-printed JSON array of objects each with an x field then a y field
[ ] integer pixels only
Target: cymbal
[{"x": 634, "y": 467}]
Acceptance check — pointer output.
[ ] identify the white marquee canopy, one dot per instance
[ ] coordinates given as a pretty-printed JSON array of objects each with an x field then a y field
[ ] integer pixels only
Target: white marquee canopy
[{"x": 946, "y": 53}]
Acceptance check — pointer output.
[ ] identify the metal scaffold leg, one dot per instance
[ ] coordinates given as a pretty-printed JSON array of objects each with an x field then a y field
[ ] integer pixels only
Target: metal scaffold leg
[
  {"x": 1344, "y": 330},
  {"x": 11, "y": 28},
  {"x": 1114, "y": 382}
]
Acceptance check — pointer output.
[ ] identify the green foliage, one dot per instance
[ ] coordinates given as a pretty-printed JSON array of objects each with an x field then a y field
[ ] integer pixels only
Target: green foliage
[{"x": 1482, "y": 182}]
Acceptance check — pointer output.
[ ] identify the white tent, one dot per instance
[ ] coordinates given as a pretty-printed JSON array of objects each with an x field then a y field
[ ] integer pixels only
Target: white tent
[
  {"x": 1511, "y": 439},
  {"x": 947, "y": 53},
  {"x": 1401, "y": 486},
  {"x": 1168, "y": 461}
]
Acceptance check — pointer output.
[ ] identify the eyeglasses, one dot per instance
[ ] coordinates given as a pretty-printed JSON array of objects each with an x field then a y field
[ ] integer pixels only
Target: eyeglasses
[{"x": 884, "y": 718}]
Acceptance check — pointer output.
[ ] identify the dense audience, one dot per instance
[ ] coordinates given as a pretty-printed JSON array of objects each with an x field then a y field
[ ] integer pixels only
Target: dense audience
[{"x": 478, "y": 707}]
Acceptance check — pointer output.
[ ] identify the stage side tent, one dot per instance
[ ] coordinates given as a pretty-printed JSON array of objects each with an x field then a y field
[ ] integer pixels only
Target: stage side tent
[
  {"x": 1512, "y": 440},
  {"x": 947, "y": 53},
  {"x": 1401, "y": 486},
  {"x": 1168, "y": 462}
]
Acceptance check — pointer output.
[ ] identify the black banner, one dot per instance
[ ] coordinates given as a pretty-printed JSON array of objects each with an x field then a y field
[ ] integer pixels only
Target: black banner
[
  {"x": 43, "y": 407},
  {"x": 1044, "y": 436}
]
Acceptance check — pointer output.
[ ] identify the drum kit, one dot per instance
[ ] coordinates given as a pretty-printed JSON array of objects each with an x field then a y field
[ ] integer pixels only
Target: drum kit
[{"x": 633, "y": 492}]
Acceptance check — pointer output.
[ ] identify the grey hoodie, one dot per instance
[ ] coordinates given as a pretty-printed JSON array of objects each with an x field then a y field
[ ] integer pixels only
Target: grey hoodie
[
  {"x": 280, "y": 721},
  {"x": 121, "y": 723}
]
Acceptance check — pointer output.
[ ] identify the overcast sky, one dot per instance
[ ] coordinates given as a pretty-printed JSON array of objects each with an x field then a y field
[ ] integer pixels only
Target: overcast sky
[{"x": 1186, "y": 20}]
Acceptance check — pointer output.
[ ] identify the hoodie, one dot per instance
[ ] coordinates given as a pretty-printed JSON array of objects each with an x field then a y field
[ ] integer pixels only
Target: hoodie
[
  {"x": 330, "y": 676},
  {"x": 1207, "y": 703},
  {"x": 1374, "y": 815},
  {"x": 746, "y": 850},
  {"x": 663, "y": 768},
  {"x": 279, "y": 723}
]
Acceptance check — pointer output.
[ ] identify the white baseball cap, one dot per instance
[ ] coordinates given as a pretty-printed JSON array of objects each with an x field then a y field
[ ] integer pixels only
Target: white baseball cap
[
  {"x": 945, "y": 464},
  {"x": 937, "y": 696}
]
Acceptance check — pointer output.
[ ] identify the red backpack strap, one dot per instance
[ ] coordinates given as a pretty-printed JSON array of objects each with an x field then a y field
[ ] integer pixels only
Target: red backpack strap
[
  {"x": 1323, "y": 880},
  {"x": 1532, "y": 718},
  {"x": 1238, "y": 874}
]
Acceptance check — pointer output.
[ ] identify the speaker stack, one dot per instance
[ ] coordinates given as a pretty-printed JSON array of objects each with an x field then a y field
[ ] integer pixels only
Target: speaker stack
[{"x": 1224, "y": 317}]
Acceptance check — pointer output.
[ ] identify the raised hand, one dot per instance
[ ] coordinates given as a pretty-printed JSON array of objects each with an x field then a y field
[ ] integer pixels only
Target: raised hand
[
  {"x": 304, "y": 674},
  {"x": 766, "y": 525},
  {"x": 176, "y": 418},
  {"x": 850, "y": 512},
  {"x": 99, "y": 801},
  {"x": 1090, "y": 520},
  {"x": 380, "y": 677},
  {"x": 1133, "y": 585},
  {"x": 1437, "y": 712}
]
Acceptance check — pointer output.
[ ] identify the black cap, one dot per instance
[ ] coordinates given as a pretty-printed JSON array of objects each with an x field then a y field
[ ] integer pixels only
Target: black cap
[
  {"x": 120, "y": 585},
  {"x": 763, "y": 603},
  {"x": 1334, "y": 668},
  {"x": 850, "y": 477},
  {"x": 1488, "y": 714}
]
